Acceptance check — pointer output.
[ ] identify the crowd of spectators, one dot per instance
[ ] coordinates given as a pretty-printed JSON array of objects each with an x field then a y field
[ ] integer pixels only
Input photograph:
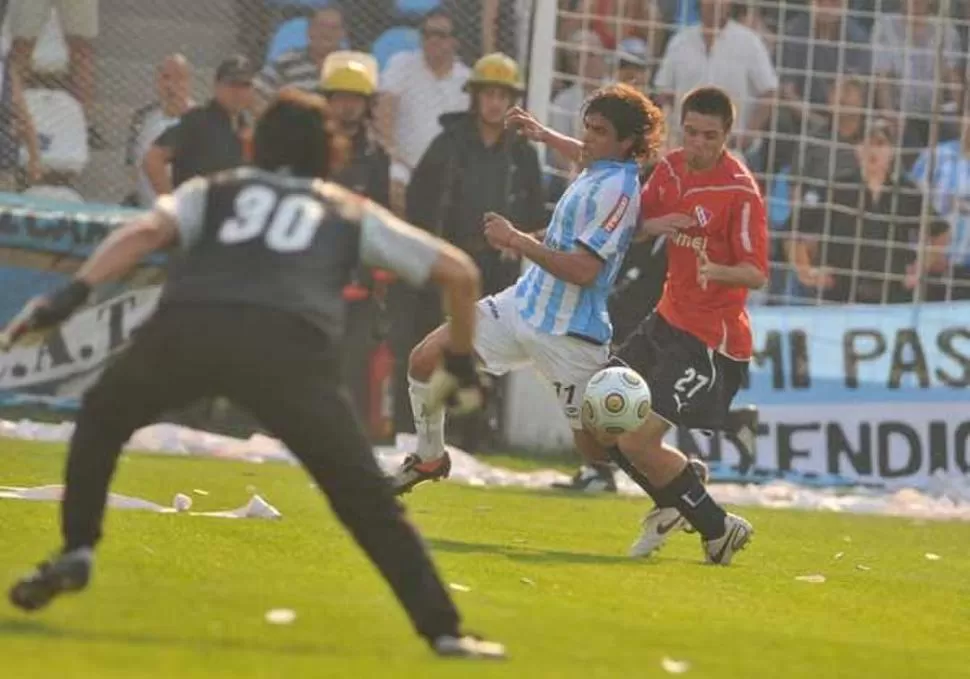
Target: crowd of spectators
[{"x": 850, "y": 111}]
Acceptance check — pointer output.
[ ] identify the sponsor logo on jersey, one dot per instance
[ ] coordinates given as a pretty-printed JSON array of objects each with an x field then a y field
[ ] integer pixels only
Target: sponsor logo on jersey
[
  {"x": 616, "y": 214},
  {"x": 695, "y": 243}
]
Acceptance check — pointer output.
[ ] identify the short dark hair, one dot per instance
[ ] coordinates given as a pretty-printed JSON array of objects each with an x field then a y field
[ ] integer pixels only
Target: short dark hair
[
  {"x": 329, "y": 9},
  {"x": 632, "y": 115},
  {"x": 709, "y": 101},
  {"x": 437, "y": 12},
  {"x": 296, "y": 132}
]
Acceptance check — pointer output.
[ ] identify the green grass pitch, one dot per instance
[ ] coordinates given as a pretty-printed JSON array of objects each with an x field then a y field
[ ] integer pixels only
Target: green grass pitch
[{"x": 180, "y": 597}]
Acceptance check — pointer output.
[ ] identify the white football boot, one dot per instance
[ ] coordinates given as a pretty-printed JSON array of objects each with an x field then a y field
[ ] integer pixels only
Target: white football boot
[
  {"x": 737, "y": 533},
  {"x": 660, "y": 522},
  {"x": 414, "y": 470},
  {"x": 468, "y": 647}
]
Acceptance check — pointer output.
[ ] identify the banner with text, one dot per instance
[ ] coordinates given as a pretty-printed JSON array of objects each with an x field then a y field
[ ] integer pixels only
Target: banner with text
[
  {"x": 42, "y": 242},
  {"x": 67, "y": 359},
  {"x": 846, "y": 394}
]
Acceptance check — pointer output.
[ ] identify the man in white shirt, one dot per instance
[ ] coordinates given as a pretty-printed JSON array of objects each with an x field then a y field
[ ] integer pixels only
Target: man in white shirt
[
  {"x": 416, "y": 88},
  {"x": 173, "y": 82},
  {"x": 721, "y": 52}
]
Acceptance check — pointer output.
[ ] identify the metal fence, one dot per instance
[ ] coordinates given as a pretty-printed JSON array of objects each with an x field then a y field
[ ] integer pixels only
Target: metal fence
[{"x": 832, "y": 95}]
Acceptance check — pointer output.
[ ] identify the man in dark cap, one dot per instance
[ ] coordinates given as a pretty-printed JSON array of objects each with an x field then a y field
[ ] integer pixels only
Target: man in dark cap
[{"x": 207, "y": 138}]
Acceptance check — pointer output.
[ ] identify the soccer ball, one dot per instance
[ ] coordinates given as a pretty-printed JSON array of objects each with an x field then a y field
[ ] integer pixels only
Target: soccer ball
[{"x": 617, "y": 400}]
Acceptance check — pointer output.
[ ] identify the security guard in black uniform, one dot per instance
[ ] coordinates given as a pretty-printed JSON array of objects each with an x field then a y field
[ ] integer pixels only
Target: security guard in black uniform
[
  {"x": 254, "y": 312},
  {"x": 349, "y": 82},
  {"x": 474, "y": 166}
]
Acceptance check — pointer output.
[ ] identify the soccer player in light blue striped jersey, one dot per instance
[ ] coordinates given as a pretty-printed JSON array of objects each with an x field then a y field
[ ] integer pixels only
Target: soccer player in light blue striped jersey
[
  {"x": 555, "y": 316},
  {"x": 593, "y": 214}
]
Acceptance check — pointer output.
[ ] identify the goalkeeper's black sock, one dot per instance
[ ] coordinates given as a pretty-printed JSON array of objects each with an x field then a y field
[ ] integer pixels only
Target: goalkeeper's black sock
[
  {"x": 688, "y": 494},
  {"x": 635, "y": 474}
]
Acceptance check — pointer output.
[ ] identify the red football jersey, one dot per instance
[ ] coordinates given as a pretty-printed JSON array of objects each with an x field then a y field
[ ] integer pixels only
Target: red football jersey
[{"x": 733, "y": 229}]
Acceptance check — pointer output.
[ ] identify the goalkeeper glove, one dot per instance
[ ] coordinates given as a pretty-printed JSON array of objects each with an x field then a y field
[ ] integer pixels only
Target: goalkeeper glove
[
  {"x": 42, "y": 313},
  {"x": 456, "y": 385}
]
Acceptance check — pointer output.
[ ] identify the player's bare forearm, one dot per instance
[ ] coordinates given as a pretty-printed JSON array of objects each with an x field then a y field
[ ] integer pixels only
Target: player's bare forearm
[
  {"x": 577, "y": 267},
  {"x": 569, "y": 148},
  {"x": 460, "y": 282},
  {"x": 125, "y": 247},
  {"x": 739, "y": 275}
]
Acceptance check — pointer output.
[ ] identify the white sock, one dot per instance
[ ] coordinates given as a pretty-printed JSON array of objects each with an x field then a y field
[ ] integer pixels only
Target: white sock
[
  {"x": 81, "y": 554},
  {"x": 430, "y": 429}
]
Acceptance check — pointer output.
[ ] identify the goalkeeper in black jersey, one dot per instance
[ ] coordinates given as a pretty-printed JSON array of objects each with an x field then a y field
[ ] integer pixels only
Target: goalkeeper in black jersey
[{"x": 254, "y": 312}]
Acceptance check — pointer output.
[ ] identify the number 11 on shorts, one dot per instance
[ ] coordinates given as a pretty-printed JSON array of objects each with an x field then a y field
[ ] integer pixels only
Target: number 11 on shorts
[{"x": 568, "y": 389}]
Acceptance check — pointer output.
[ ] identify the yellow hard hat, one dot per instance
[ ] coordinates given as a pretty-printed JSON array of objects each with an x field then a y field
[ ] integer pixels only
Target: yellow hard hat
[
  {"x": 496, "y": 69},
  {"x": 347, "y": 71}
]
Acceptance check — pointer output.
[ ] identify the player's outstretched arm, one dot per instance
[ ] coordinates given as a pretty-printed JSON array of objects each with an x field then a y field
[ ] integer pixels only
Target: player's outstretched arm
[
  {"x": 125, "y": 247},
  {"x": 417, "y": 257},
  {"x": 176, "y": 217},
  {"x": 666, "y": 225},
  {"x": 387, "y": 242},
  {"x": 527, "y": 125},
  {"x": 458, "y": 277},
  {"x": 579, "y": 267},
  {"x": 118, "y": 254}
]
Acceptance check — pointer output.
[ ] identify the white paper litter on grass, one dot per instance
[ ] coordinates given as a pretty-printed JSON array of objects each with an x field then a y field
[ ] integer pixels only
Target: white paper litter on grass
[
  {"x": 930, "y": 556},
  {"x": 674, "y": 666},
  {"x": 256, "y": 508},
  {"x": 946, "y": 496},
  {"x": 280, "y": 616},
  {"x": 459, "y": 588},
  {"x": 811, "y": 578}
]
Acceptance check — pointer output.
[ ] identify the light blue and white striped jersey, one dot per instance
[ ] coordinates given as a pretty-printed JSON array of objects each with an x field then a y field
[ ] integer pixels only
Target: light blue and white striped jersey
[
  {"x": 950, "y": 189},
  {"x": 599, "y": 212}
]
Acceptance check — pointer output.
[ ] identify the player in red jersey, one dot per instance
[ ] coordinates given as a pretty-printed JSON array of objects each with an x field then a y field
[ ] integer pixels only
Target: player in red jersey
[{"x": 694, "y": 349}]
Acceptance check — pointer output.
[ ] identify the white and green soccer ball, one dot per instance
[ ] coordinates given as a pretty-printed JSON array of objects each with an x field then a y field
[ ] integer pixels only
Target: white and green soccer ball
[{"x": 617, "y": 400}]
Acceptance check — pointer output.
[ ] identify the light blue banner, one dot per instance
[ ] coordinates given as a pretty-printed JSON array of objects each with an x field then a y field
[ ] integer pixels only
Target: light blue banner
[
  {"x": 39, "y": 236},
  {"x": 860, "y": 354}
]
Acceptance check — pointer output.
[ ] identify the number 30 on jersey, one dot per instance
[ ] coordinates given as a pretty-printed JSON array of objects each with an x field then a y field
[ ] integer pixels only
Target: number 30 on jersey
[{"x": 287, "y": 225}]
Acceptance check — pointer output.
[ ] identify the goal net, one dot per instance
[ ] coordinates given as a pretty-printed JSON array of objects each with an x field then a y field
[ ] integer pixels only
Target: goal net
[{"x": 834, "y": 98}]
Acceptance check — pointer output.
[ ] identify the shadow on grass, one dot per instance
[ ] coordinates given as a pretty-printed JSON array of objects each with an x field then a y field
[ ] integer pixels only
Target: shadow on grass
[
  {"x": 13, "y": 627},
  {"x": 523, "y": 553}
]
